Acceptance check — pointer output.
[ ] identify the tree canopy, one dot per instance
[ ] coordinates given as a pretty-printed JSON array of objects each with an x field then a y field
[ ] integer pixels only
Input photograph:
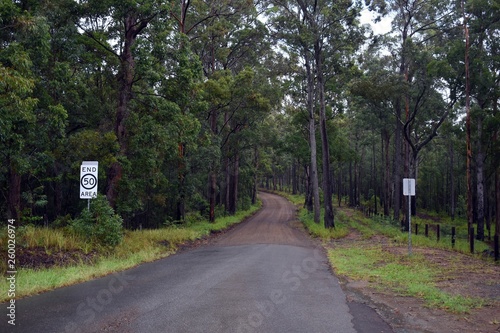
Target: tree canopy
[{"x": 191, "y": 106}]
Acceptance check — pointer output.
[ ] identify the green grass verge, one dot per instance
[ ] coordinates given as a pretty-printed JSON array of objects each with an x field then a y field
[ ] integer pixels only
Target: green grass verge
[
  {"x": 296, "y": 199},
  {"x": 137, "y": 247},
  {"x": 318, "y": 229},
  {"x": 407, "y": 276},
  {"x": 369, "y": 227}
]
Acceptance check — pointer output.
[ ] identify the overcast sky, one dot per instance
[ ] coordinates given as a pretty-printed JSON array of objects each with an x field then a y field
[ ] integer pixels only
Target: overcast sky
[{"x": 381, "y": 27}]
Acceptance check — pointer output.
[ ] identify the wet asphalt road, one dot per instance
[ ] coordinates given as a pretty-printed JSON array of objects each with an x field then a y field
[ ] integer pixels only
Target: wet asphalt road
[{"x": 262, "y": 276}]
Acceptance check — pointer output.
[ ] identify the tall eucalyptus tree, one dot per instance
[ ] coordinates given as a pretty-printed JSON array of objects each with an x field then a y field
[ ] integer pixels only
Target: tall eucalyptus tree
[
  {"x": 321, "y": 32},
  {"x": 290, "y": 30},
  {"x": 115, "y": 27},
  {"x": 227, "y": 37},
  {"x": 417, "y": 25},
  {"x": 482, "y": 24}
]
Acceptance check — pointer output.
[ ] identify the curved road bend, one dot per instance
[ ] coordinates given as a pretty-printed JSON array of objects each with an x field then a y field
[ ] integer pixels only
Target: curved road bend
[{"x": 261, "y": 276}]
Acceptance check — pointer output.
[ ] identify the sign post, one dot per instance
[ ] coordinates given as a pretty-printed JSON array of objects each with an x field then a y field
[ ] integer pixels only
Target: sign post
[
  {"x": 88, "y": 180},
  {"x": 409, "y": 190}
]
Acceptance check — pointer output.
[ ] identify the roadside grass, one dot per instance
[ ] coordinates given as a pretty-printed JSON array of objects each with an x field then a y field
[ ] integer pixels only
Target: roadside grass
[
  {"x": 318, "y": 229},
  {"x": 296, "y": 199},
  {"x": 407, "y": 276},
  {"x": 33, "y": 237},
  {"x": 369, "y": 227},
  {"x": 400, "y": 274},
  {"x": 137, "y": 247}
]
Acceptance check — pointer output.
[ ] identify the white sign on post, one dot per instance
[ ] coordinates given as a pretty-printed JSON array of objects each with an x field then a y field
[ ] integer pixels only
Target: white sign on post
[
  {"x": 409, "y": 190},
  {"x": 408, "y": 186},
  {"x": 88, "y": 179}
]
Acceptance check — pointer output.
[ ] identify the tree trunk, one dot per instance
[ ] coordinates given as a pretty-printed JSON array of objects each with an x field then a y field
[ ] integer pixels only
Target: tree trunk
[
  {"x": 398, "y": 139},
  {"x": 181, "y": 200},
  {"x": 480, "y": 182},
  {"x": 295, "y": 182},
  {"x": 233, "y": 186},
  {"x": 212, "y": 191},
  {"x": 397, "y": 179},
  {"x": 58, "y": 193},
  {"x": 327, "y": 187},
  {"x": 212, "y": 195},
  {"x": 125, "y": 78},
  {"x": 374, "y": 173},
  {"x": 497, "y": 180},
  {"x": 497, "y": 196},
  {"x": 309, "y": 193},
  {"x": 14, "y": 196},
  {"x": 452, "y": 183},
  {"x": 255, "y": 176},
  {"x": 406, "y": 152},
  {"x": 314, "y": 170},
  {"x": 227, "y": 172},
  {"x": 275, "y": 180},
  {"x": 351, "y": 186},
  {"x": 312, "y": 137},
  {"x": 468, "y": 123},
  {"x": 227, "y": 189},
  {"x": 339, "y": 184},
  {"x": 387, "y": 182},
  {"x": 413, "y": 174}
]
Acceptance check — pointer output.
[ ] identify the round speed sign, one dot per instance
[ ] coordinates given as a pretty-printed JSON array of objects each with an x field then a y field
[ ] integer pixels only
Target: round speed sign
[{"x": 88, "y": 181}]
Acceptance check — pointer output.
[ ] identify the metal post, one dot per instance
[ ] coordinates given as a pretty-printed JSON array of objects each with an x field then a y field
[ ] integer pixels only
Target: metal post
[{"x": 409, "y": 225}]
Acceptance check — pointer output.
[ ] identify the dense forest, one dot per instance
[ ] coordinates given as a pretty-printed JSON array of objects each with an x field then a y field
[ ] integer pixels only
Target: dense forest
[{"x": 191, "y": 106}]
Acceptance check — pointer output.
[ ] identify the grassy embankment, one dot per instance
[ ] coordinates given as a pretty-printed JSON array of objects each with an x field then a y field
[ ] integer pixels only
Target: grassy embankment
[
  {"x": 137, "y": 247},
  {"x": 367, "y": 256}
]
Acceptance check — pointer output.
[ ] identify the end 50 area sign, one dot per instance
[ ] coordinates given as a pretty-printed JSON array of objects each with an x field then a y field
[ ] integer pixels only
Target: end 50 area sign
[{"x": 88, "y": 179}]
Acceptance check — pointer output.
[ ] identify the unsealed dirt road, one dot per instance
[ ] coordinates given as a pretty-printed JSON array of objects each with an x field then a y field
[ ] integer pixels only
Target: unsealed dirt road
[{"x": 275, "y": 223}]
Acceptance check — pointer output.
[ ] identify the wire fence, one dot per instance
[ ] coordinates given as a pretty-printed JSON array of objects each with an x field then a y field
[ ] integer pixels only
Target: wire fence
[{"x": 443, "y": 232}]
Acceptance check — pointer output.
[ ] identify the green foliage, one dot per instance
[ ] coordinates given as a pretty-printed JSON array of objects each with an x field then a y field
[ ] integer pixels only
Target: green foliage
[
  {"x": 89, "y": 145},
  {"x": 18, "y": 119},
  {"x": 100, "y": 224},
  {"x": 210, "y": 90},
  {"x": 370, "y": 202}
]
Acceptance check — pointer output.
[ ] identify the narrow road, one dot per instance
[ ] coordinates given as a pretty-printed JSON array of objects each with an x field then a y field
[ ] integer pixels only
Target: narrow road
[{"x": 264, "y": 275}]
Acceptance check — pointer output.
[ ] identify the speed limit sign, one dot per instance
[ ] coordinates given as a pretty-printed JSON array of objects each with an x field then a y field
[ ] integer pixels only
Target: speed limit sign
[{"x": 88, "y": 179}]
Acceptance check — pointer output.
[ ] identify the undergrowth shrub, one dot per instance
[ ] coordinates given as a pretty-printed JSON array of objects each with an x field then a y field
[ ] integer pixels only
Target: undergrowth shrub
[{"x": 99, "y": 225}]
